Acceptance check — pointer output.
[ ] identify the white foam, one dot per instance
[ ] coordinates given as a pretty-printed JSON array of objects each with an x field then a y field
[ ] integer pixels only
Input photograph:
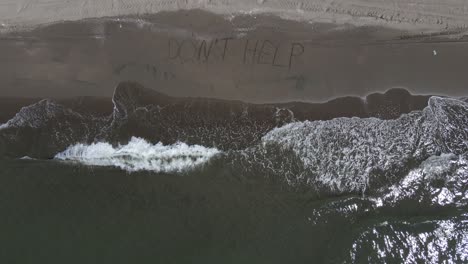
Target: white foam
[
  {"x": 450, "y": 169},
  {"x": 344, "y": 153},
  {"x": 434, "y": 241},
  {"x": 140, "y": 155},
  {"x": 3, "y": 126}
]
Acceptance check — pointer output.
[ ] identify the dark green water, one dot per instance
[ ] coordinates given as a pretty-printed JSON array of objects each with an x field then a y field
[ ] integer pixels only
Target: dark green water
[{"x": 52, "y": 212}]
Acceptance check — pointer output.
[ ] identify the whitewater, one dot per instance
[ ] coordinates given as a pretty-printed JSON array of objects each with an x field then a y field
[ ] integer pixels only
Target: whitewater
[
  {"x": 139, "y": 155},
  {"x": 391, "y": 189}
]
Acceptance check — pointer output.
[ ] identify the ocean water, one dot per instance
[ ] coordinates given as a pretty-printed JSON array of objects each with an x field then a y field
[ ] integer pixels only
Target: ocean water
[{"x": 172, "y": 180}]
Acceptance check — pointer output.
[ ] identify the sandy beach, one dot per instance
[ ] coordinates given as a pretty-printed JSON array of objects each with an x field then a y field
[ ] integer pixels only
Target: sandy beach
[
  {"x": 255, "y": 51},
  {"x": 259, "y": 58},
  {"x": 431, "y": 15}
]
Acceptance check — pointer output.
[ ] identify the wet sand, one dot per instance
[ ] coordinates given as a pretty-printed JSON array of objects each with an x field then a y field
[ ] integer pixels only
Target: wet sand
[{"x": 388, "y": 105}]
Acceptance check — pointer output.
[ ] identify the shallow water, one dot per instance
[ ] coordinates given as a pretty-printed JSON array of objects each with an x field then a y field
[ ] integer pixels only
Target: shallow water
[{"x": 171, "y": 180}]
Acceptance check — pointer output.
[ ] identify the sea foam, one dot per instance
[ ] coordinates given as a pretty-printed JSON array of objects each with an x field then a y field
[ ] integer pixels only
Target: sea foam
[
  {"x": 140, "y": 155},
  {"x": 353, "y": 154}
]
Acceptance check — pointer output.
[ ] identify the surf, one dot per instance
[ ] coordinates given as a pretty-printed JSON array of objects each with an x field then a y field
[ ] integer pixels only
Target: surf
[{"x": 140, "y": 155}]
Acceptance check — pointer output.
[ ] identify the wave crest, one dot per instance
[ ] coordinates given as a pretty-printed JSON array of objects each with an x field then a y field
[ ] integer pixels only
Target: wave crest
[
  {"x": 353, "y": 154},
  {"x": 140, "y": 155}
]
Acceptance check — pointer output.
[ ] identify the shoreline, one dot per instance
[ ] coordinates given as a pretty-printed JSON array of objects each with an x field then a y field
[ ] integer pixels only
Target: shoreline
[{"x": 349, "y": 105}]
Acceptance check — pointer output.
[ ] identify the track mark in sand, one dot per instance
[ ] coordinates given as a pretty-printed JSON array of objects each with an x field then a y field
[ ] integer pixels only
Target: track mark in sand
[{"x": 24, "y": 5}]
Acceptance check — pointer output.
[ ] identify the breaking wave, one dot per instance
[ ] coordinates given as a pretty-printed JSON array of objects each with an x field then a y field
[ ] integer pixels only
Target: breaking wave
[
  {"x": 393, "y": 156},
  {"x": 140, "y": 155},
  {"x": 435, "y": 241},
  {"x": 361, "y": 152},
  {"x": 439, "y": 180},
  {"x": 358, "y": 155}
]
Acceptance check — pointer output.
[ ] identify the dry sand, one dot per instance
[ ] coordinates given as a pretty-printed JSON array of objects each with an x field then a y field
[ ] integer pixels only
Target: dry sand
[{"x": 413, "y": 15}]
